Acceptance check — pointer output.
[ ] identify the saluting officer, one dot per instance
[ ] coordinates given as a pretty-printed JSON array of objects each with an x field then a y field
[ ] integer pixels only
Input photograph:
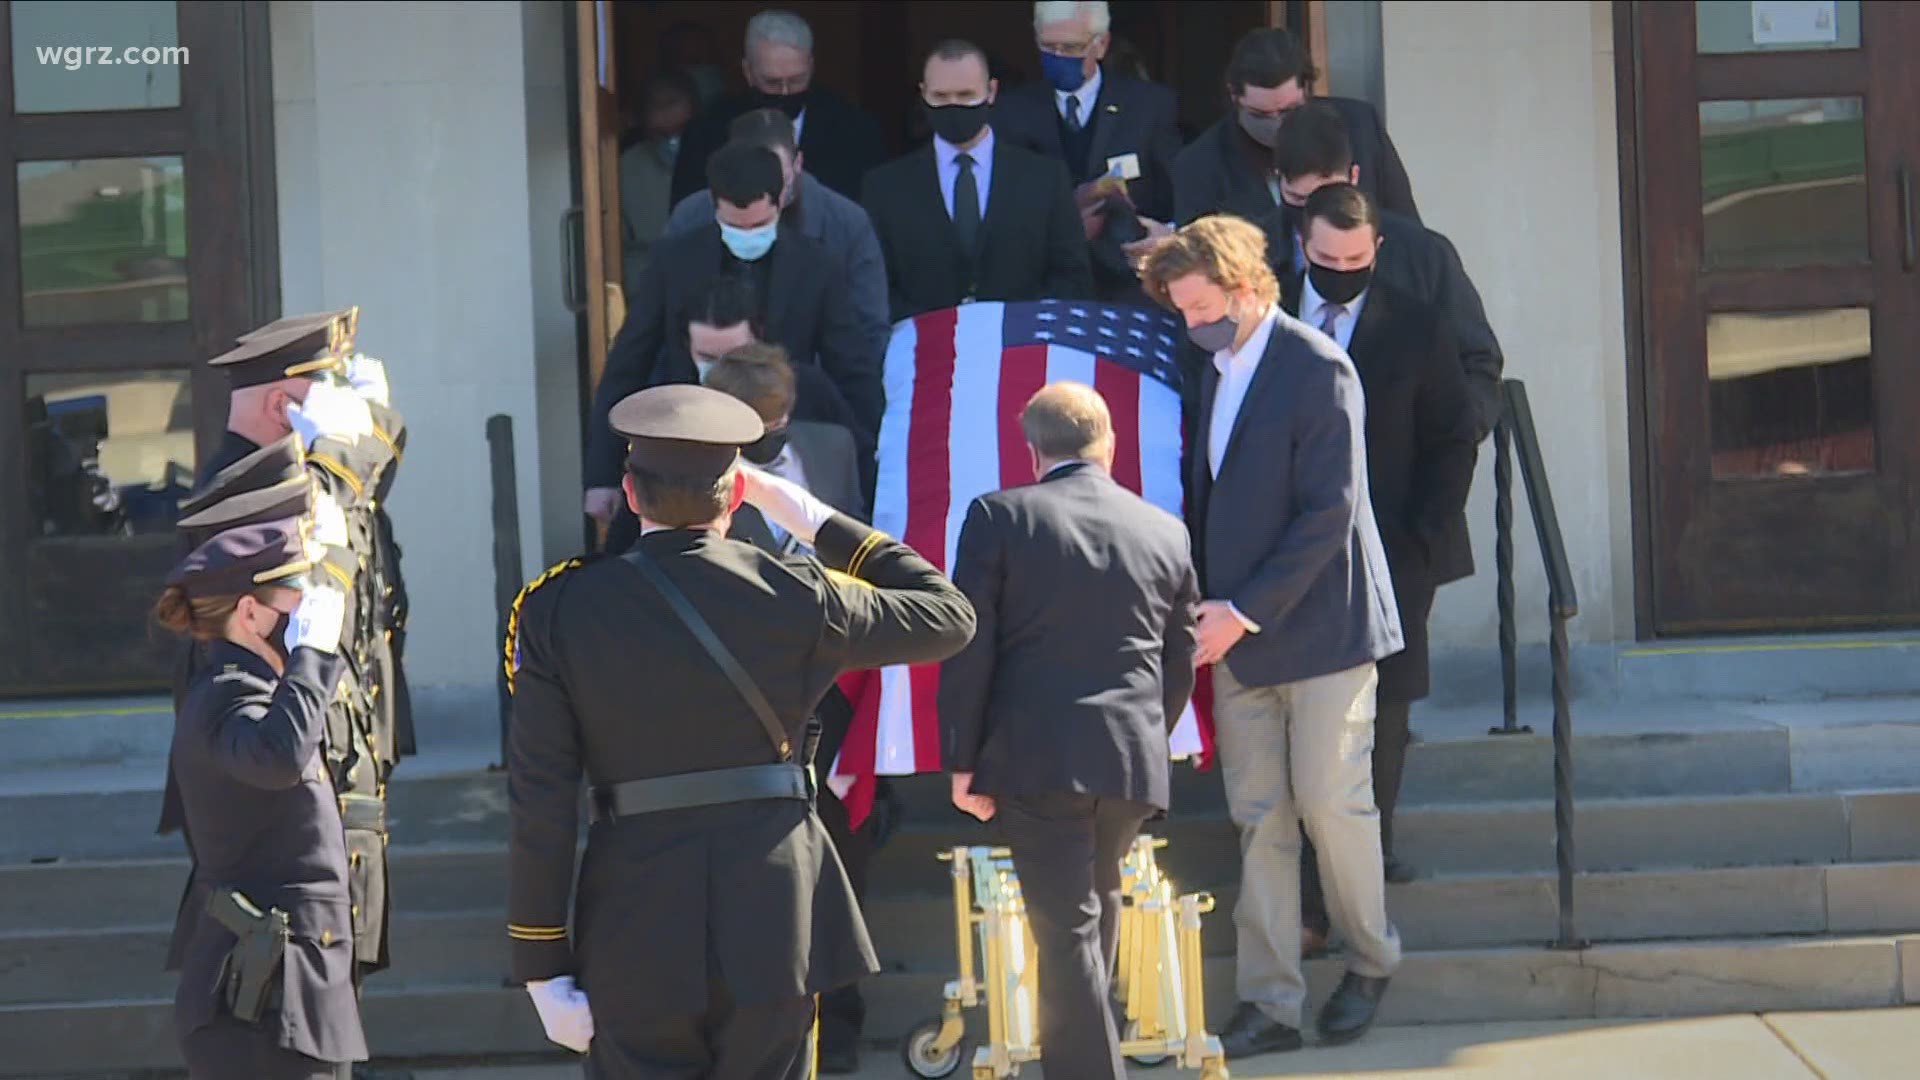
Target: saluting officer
[
  {"x": 266, "y": 990},
  {"x": 680, "y": 680}
]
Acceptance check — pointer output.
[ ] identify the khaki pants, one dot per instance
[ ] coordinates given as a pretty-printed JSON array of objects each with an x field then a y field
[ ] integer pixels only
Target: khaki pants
[{"x": 1302, "y": 753}]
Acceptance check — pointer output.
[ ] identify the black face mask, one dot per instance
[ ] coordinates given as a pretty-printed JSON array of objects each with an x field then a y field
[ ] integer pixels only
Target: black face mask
[
  {"x": 791, "y": 104},
  {"x": 1290, "y": 220},
  {"x": 767, "y": 449},
  {"x": 1339, "y": 286},
  {"x": 277, "y": 637},
  {"x": 957, "y": 123}
]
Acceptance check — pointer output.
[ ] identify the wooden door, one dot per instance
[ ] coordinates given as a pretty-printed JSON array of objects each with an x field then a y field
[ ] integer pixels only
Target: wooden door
[
  {"x": 1776, "y": 149},
  {"x": 130, "y": 245},
  {"x": 599, "y": 182}
]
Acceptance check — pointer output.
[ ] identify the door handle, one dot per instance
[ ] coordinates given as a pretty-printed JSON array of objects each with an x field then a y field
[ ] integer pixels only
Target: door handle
[
  {"x": 1904, "y": 177},
  {"x": 572, "y": 288}
]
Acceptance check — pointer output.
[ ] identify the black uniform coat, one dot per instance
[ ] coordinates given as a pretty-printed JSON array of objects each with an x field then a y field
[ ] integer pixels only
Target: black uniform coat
[
  {"x": 1421, "y": 445},
  {"x": 1031, "y": 245},
  {"x": 1083, "y": 658},
  {"x": 609, "y": 686},
  {"x": 1225, "y": 171},
  {"x": 839, "y": 141},
  {"x": 805, "y": 313},
  {"x": 261, "y": 810}
]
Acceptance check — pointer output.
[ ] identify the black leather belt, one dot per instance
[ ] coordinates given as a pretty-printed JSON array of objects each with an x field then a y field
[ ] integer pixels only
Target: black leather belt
[{"x": 681, "y": 791}]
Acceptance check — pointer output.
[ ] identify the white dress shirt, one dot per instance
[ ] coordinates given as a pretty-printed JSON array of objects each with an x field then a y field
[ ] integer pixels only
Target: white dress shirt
[
  {"x": 1088, "y": 93},
  {"x": 1313, "y": 312},
  {"x": 799, "y": 125},
  {"x": 944, "y": 152},
  {"x": 1237, "y": 368}
]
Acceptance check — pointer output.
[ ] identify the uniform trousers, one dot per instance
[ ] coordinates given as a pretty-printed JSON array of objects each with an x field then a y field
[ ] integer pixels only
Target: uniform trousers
[
  {"x": 1301, "y": 754},
  {"x": 1067, "y": 849},
  {"x": 843, "y": 1012},
  {"x": 769, "y": 1040},
  {"x": 227, "y": 1049}
]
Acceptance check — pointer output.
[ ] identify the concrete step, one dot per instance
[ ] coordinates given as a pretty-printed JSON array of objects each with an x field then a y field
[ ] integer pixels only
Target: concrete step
[{"x": 1466, "y": 986}]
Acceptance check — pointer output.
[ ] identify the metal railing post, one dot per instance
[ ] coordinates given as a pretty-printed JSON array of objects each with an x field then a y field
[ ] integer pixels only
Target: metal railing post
[{"x": 1503, "y": 568}]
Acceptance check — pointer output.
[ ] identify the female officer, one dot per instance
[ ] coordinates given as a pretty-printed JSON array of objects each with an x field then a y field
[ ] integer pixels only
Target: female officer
[{"x": 266, "y": 990}]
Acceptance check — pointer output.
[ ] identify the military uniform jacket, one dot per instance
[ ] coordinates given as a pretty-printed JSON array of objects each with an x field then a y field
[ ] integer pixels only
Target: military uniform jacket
[
  {"x": 609, "y": 685},
  {"x": 260, "y": 807}
]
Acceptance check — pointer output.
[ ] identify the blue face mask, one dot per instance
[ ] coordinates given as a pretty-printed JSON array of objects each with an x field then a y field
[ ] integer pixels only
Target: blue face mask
[
  {"x": 1066, "y": 73},
  {"x": 749, "y": 245}
]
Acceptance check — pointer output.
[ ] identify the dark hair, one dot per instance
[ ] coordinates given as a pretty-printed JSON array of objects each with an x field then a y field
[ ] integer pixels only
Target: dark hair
[
  {"x": 202, "y": 618},
  {"x": 769, "y": 128},
  {"x": 668, "y": 85},
  {"x": 743, "y": 175},
  {"x": 1313, "y": 142},
  {"x": 679, "y": 501},
  {"x": 1342, "y": 206},
  {"x": 958, "y": 49},
  {"x": 1269, "y": 58},
  {"x": 758, "y": 374},
  {"x": 729, "y": 301}
]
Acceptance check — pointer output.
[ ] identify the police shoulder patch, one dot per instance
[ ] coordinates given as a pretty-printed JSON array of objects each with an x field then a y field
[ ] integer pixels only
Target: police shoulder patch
[{"x": 512, "y": 650}]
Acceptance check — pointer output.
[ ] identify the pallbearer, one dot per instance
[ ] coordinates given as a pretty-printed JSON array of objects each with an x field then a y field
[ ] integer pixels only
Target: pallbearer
[{"x": 679, "y": 681}]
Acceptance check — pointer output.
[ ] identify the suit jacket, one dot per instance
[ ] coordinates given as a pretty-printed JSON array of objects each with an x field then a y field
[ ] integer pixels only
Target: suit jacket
[
  {"x": 837, "y": 224},
  {"x": 1083, "y": 657},
  {"x": 253, "y": 783},
  {"x": 1421, "y": 444},
  {"x": 1222, "y": 170},
  {"x": 1424, "y": 265},
  {"x": 828, "y": 459},
  {"x": 1030, "y": 245},
  {"x": 1130, "y": 116},
  {"x": 609, "y": 686},
  {"x": 1286, "y": 532},
  {"x": 805, "y": 312},
  {"x": 840, "y": 141}
]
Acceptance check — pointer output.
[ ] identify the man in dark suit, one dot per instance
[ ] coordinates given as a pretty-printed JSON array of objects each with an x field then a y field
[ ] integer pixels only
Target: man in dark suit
[
  {"x": 1301, "y": 608},
  {"x": 797, "y": 285},
  {"x": 1055, "y": 717},
  {"x": 1316, "y": 149},
  {"x": 970, "y": 217},
  {"x": 1421, "y": 442},
  {"x": 1229, "y": 168},
  {"x": 710, "y": 905},
  {"x": 841, "y": 142},
  {"x": 1104, "y": 125}
]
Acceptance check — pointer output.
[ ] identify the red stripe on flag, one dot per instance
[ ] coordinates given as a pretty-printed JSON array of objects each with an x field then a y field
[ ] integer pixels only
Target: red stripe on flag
[
  {"x": 926, "y": 717},
  {"x": 1121, "y": 388},
  {"x": 857, "y": 751},
  {"x": 929, "y": 426},
  {"x": 1023, "y": 371}
]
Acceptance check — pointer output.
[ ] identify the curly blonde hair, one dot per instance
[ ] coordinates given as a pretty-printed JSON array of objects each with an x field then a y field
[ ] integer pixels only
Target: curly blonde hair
[{"x": 1230, "y": 251}]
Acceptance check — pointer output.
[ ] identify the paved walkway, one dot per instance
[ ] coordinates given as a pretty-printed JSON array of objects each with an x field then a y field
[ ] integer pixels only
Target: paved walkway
[{"x": 1875, "y": 1044}]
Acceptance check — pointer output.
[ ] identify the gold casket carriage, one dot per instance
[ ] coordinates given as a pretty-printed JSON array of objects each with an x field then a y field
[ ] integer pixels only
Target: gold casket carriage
[{"x": 1158, "y": 973}]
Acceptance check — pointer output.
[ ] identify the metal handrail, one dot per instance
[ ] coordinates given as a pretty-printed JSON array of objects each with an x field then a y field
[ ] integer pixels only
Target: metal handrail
[{"x": 1516, "y": 432}]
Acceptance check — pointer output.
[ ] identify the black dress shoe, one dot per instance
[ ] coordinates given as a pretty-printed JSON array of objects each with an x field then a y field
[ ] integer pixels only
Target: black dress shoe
[
  {"x": 1250, "y": 1032},
  {"x": 1350, "y": 1012},
  {"x": 1399, "y": 873},
  {"x": 839, "y": 1060}
]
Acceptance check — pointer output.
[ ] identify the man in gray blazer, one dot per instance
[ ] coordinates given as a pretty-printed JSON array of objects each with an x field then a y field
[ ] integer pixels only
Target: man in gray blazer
[{"x": 1300, "y": 607}]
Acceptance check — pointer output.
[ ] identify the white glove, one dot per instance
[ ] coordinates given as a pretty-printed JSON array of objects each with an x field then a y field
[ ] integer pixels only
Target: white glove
[
  {"x": 330, "y": 411},
  {"x": 786, "y": 504},
  {"x": 368, "y": 377},
  {"x": 563, "y": 1012},
  {"x": 329, "y": 521},
  {"x": 317, "y": 622}
]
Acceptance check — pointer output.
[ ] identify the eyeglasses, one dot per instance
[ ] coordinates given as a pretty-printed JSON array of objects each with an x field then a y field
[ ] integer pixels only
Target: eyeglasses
[{"x": 1071, "y": 49}]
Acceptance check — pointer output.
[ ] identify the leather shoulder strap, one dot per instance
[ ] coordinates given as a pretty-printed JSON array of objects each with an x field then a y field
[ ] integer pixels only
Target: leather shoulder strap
[{"x": 703, "y": 633}]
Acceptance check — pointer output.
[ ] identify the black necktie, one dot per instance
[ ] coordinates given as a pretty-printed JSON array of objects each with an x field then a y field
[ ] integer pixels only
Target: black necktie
[
  {"x": 1073, "y": 113},
  {"x": 966, "y": 203}
]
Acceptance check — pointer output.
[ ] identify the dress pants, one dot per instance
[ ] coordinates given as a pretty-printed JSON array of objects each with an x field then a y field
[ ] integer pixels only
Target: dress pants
[
  {"x": 771, "y": 1040},
  {"x": 1390, "y": 735},
  {"x": 1067, "y": 849},
  {"x": 228, "y": 1049},
  {"x": 1294, "y": 754}
]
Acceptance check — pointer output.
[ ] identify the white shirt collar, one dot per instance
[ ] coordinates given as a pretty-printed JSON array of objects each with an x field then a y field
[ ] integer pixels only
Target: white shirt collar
[
  {"x": 1254, "y": 349},
  {"x": 982, "y": 153},
  {"x": 1088, "y": 93}
]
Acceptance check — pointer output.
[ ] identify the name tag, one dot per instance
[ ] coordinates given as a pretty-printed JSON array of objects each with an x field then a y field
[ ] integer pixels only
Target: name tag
[{"x": 1125, "y": 166}]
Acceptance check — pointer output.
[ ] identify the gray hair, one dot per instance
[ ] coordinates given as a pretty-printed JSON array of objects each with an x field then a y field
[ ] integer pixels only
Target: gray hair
[
  {"x": 781, "y": 28},
  {"x": 1048, "y": 12}
]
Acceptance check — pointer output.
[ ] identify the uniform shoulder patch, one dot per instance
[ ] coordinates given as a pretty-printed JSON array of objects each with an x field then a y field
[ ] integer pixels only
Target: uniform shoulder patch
[{"x": 511, "y": 652}]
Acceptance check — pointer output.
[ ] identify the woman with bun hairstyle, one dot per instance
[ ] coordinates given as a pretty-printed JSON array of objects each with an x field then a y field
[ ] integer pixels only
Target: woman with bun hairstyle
[{"x": 266, "y": 989}]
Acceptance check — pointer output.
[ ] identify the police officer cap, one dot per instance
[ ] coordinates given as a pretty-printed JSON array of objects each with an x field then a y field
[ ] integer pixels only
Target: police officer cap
[
  {"x": 290, "y": 498},
  {"x": 342, "y": 325},
  {"x": 237, "y": 561},
  {"x": 292, "y": 352},
  {"x": 274, "y": 463},
  {"x": 685, "y": 430}
]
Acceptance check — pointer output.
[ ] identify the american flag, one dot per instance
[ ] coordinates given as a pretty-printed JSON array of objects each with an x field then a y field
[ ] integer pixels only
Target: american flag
[{"x": 956, "y": 381}]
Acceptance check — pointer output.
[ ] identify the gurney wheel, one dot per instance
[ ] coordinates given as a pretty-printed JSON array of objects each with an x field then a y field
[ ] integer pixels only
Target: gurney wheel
[
  {"x": 1145, "y": 1061},
  {"x": 918, "y": 1054}
]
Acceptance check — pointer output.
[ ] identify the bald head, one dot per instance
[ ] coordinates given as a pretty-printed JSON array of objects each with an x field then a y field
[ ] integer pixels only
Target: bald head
[{"x": 1068, "y": 421}]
